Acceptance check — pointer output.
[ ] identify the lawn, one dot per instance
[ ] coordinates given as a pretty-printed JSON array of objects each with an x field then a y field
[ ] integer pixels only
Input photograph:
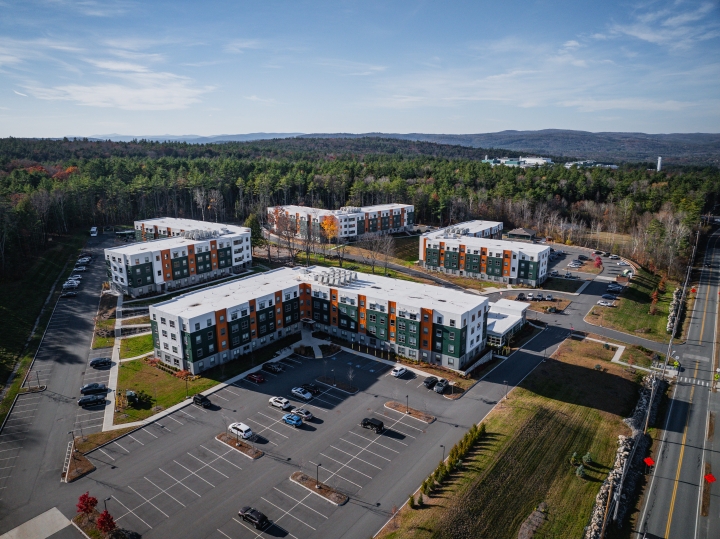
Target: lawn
[
  {"x": 162, "y": 389},
  {"x": 587, "y": 349},
  {"x": 136, "y": 346},
  {"x": 539, "y": 306},
  {"x": 319, "y": 260},
  {"x": 21, "y": 301},
  {"x": 407, "y": 248},
  {"x": 136, "y": 320},
  {"x": 563, "y": 407},
  {"x": 104, "y": 342},
  {"x": 562, "y": 285},
  {"x": 632, "y": 311}
]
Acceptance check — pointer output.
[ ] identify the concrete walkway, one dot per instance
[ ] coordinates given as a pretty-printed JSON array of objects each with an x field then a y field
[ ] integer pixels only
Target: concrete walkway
[{"x": 44, "y": 525}]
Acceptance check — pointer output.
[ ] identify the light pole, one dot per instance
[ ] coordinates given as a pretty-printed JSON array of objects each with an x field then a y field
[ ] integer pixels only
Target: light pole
[
  {"x": 407, "y": 404},
  {"x": 186, "y": 387},
  {"x": 317, "y": 475},
  {"x": 443, "y": 459},
  {"x": 506, "y": 389},
  {"x": 333, "y": 373},
  {"x": 105, "y": 501}
]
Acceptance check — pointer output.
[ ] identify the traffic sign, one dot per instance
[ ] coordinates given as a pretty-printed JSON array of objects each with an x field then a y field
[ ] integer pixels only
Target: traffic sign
[
  {"x": 649, "y": 461},
  {"x": 710, "y": 478}
]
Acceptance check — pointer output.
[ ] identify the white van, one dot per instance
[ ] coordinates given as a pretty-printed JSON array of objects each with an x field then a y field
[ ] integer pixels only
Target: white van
[
  {"x": 93, "y": 231},
  {"x": 242, "y": 430}
]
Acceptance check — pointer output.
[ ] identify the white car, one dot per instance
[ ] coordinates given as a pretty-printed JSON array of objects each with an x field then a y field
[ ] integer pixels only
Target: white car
[
  {"x": 303, "y": 413},
  {"x": 604, "y": 303},
  {"x": 280, "y": 402},
  {"x": 241, "y": 430},
  {"x": 301, "y": 393},
  {"x": 622, "y": 263},
  {"x": 79, "y": 268},
  {"x": 614, "y": 257},
  {"x": 83, "y": 261},
  {"x": 397, "y": 372},
  {"x": 75, "y": 278}
]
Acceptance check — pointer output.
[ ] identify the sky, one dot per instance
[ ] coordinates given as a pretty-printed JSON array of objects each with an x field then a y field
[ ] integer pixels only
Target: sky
[{"x": 153, "y": 67}]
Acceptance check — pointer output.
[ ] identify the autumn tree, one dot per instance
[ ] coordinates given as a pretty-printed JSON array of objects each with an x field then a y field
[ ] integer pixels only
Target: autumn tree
[
  {"x": 331, "y": 234},
  {"x": 286, "y": 231},
  {"x": 105, "y": 522},
  {"x": 86, "y": 504}
]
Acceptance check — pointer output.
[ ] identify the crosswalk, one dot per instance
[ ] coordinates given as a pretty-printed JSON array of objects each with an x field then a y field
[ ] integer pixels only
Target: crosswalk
[{"x": 694, "y": 381}]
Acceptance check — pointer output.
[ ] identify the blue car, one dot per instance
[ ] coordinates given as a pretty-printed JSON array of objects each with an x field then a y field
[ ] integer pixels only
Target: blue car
[{"x": 292, "y": 419}]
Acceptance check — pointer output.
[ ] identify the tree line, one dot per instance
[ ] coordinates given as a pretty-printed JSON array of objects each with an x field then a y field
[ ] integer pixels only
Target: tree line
[{"x": 46, "y": 188}]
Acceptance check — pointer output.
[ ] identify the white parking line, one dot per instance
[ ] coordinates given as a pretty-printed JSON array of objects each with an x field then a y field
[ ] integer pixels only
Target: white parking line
[
  {"x": 148, "y": 501},
  {"x": 133, "y": 437},
  {"x": 345, "y": 465},
  {"x": 236, "y": 394},
  {"x": 264, "y": 428},
  {"x": 162, "y": 426},
  {"x": 184, "y": 412},
  {"x": 108, "y": 456},
  {"x": 193, "y": 473},
  {"x": 180, "y": 482},
  {"x": 213, "y": 469},
  {"x": 148, "y": 432},
  {"x": 301, "y": 503},
  {"x": 121, "y": 447},
  {"x": 91, "y": 413},
  {"x": 165, "y": 491},
  {"x": 220, "y": 456},
  {"x": 337, "y": 475},
  {"x": 219, "y": 397},
  {"x": 11, "y": 449},
  {"x": 358, "y": 458},
  {"x": 367, "y": 450},
  {"x": 289, "y": 513},
  {"x": 381, "y": 445},
  {"x": 12, "y": 441},
  {"x": 129, "y": 512},
  {"x": 225, "y": 534},
  {"x": 176, "y": 421}
]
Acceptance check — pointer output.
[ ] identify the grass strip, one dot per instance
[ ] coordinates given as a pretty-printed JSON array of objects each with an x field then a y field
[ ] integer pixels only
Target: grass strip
[{"x": 136, "y": 346}]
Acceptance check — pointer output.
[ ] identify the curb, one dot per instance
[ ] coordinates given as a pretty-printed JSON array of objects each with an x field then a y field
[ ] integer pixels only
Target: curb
[
  {"x": 323, "y": 497},
  {"x": 79, "y": 529},
  {"x": 411, "y": 416},
  {"x": 236, "y": 449}
]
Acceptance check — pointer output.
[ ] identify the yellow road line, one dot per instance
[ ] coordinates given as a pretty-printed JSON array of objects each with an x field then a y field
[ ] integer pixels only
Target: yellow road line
[
  {"x": 707, "y": 296},
  {"x": 680, "y": 459}
]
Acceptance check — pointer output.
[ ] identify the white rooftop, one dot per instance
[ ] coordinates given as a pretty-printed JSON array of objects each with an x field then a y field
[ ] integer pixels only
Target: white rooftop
[
  {"x": 304, "y": 210},
  {"x": 500, "y": 319},
  {"x": 373, "y": 286},
  {"x": 177, "y": 224},
  {"x": 509, "y": 305},
  {"x": 155, "y": 245},
  {"x": 488, "y": 243},
  {"x": 473, "y": 227}
]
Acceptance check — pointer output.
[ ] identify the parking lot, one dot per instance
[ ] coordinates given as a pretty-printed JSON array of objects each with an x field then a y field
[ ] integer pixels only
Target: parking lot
[{"x": 154, "y": 474}]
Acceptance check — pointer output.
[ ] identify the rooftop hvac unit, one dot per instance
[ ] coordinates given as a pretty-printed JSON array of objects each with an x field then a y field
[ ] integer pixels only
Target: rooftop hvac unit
[
  {"x": 355, "y": 275},
  {"x": 315, "y": 277}
]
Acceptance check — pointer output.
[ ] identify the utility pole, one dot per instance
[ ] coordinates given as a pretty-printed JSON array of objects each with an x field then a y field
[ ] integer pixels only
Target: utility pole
[
  {"x": 443, "y": 457},
  {"x": 506, "y": 389},
  {"x": 407, "y": 404},
  {"x": 317, "y": 475}
]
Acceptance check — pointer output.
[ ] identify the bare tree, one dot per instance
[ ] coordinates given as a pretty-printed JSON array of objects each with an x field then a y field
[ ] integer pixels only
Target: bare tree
[
  {"x": 386, "y": 246},
  {"x": 370, "y": 250},
  {"x": 286, "y": 231},
  {"x": 201, "y": 198}
]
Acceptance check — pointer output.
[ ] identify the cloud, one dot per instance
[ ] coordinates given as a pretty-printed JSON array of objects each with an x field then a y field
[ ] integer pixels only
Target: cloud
[
  {"x": 239, "y": 46},
  {"x": 594, "y": 105},
  {"x": 259, "y": 99},
  {"x": 352, "y": 68},
  {"x": 95, "y": 8},
  {"x": 18, "y": 93},
  {"x": 572, "y": 44},
  {"x": 112, "y": 65},
  {"x": 673, "y": 26}
]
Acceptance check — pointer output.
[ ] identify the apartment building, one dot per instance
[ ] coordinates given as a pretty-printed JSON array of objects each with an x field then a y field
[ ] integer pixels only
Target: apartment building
[
  {"x": 352, "y": 221},
  {"x": 182, "y": 258},
  {"x": 489, "y": 259},
  {"x": 202, "y": 329},
  {"x": 478, "y": 229}
]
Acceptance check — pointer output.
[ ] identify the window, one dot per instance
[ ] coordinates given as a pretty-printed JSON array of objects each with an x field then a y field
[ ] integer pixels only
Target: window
[
  {"x": 197, "y": 326},
  {"x": 162, "y": 321},
  {"x": 209, "y": 322},
  {"x": 233, "y": 316},
  {"x": 371, "y": 318},
  {"x": 164, "y": 333},
  {"x": 451, "y": 349},
  {"x": 174, "y": 349},
  {"x": 165, "y": 346},
  {"x": 425, "y": 318},
  {"x": 211, "y": 348},
  {"x": 452, "y": 323},
  {"x": 222, "y": 331},
  {"x": 173, "y": 336},
  {"x": 451, "y": 336},
  {"x": 438, "y": 334},
  {"x": 199, "y": 352}
]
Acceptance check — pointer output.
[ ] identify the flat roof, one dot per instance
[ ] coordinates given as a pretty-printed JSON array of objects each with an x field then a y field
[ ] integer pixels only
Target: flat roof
[
  {"x": 488, "y": 243},
  {"x": 177, "y": 224},
  {"x": 499, "y": 324},
  {"x": 293, "y": 208},
  {"x": 508, "y": 304},
  {"x": 241, "y": 291},
  {"x": 471, "y": 227},
  {"x": 156, "y": 245}
]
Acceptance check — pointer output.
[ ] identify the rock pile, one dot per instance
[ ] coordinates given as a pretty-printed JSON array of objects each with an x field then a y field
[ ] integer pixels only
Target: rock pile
[{"x": 674, "y": 309}]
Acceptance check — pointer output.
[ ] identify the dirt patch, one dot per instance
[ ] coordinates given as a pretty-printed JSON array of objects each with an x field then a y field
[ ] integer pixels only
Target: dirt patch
[
  {"x": 711, "y": 426},
  {"x": 587, "y": 349},
  {"x": 332, "y": 495},
  {"x": 240, "y": 445},
  {"x": 108, "y": 305},
  {"x": 87, "y": 443},
  {"x": 78, "y": 467},
  {"x": 560, "y": 304},
  {"x": 705, "y": 505},
  {"x": 304, "y": 351},
  {"x": 412, "y": 412},
  {"x": 339, "y": 384}
]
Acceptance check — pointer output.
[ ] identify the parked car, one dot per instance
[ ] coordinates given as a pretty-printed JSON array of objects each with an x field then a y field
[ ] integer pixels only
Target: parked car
[
  {"x": 604, "y": 303},
  {"x": 303, "y": 413},
  {"x": 83, "y": 261},
  {"x": 622, "y": 263},
  {"x": 68, "y": 294},
  {"x": 101, "y": 362},
  {"x": 397, "y": 372},
  {"x": 430, "y": 382},
  {"x": 91, "y": 400},
  {"x": 615, "y": 287},
  {"x": 520, "y": 297},
  {"x": 583, "y": 257},
  {"x": 292, "y": 419},
  {"x": 80, "y": 268},
  {"x": 549, "y": 297},
  {"x": 614, "y": 257},
  {"x": 201, "y": 400},
  {"x": 301, "y": 393},
  {"x": 539, "y": 297},
  {"x": 75, "y": 278},
  {"x": 441, "y": 385},
  {"x": 552, "y": 250},
  {"x": 554, "y": 273},
  {"x": 530, "y": 296},
  {"x": 373, "y": 424},
  {"x": 241, "y": 430},
  {"x": 708, "y": 265},
  {"x": 597, "y": 252},
  {"x": 280, "y": 402},
  {"x": 272, "y": 367},
  {"x": 90, "y": 389},
  {"x": 254, "y": 517},
  {"x": 255, "y": 377},
  {"x": 312, "y": 388},
  {"x": 609, "y": 296}
]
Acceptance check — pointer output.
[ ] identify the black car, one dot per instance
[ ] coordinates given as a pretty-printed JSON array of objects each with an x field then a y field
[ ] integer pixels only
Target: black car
[
  {"x": 272, "y": 367},
  {"x": 583, "y": 257},
  {"x": 101, "y": 362},
  {"x": 201, "y": 400},
  {"x": 520, "y": 297},
  {"x": 312, "y": 389},
  {"x": 69, "y": 294},
  {"x": 91, "y": 389},
  {"x": 254, "y": 517},
  {"x": 91, "y": 400},
  {"x": 372, "y": 423},
  {"x": 430, "y": 382},
  {"x": 609, "y": 296}
]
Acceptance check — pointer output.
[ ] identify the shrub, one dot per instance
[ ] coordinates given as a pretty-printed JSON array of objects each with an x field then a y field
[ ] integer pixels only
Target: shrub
[
  {"x": 573, "y": 458},
  {"x": 580, "y": 471},
  {"x": 182, "y": 374},
  {"x": 105, "y": 522},
  {"x": 86, "y": 504},
  {"x": 411, "y": 501},
  {"x": 587, "y": 458}
]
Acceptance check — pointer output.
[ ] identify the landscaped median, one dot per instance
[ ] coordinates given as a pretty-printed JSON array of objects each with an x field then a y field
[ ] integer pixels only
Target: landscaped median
[
  {"x": 560, "y": 304},
  {"x": 77, "y": 467},
  {"x": 239, "y": 445},
  {"x": 321, "y": 489},
  {"x": 412, "y": 412},
  {"x": 530, "y": 453},
  {"x": 136, "y": 346},
  {"x": 562, "y": 285}
]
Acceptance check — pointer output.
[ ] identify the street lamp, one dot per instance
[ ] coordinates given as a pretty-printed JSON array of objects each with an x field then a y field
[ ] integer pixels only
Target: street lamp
[
  {"x": 506, "y": 389},
  {"x": 105, "y": 501},
  {"x": 333, "y": 373},
  {"x": 407, "y": 404},
  {"x": 443, "y": 459},
  {"x": 317, "y": 475}
]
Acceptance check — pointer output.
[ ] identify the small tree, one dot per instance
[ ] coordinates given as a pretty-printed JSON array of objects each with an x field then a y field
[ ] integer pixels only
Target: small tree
[
  {"x": 105, "y": 522},
  {"x": 411, "y": 501},
  {"x": 598, "y": 262},
  {"x": 580, "y": 471},
  {"x": 573, "y": 458},
  {"x": 86, "y": 504},
  {"x": 587, "y": 458}
]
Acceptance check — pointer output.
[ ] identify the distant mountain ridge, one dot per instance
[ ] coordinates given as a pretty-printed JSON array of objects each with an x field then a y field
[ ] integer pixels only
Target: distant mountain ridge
[{"x": 677, "y": 148}]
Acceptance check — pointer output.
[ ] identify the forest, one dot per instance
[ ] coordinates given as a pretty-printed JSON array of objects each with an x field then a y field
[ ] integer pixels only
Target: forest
[{"x": 55, "y": 186}]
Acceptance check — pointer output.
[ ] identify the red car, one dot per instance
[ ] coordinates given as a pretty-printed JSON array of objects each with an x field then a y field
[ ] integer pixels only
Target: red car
[{"x": 255, "y": 377}]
